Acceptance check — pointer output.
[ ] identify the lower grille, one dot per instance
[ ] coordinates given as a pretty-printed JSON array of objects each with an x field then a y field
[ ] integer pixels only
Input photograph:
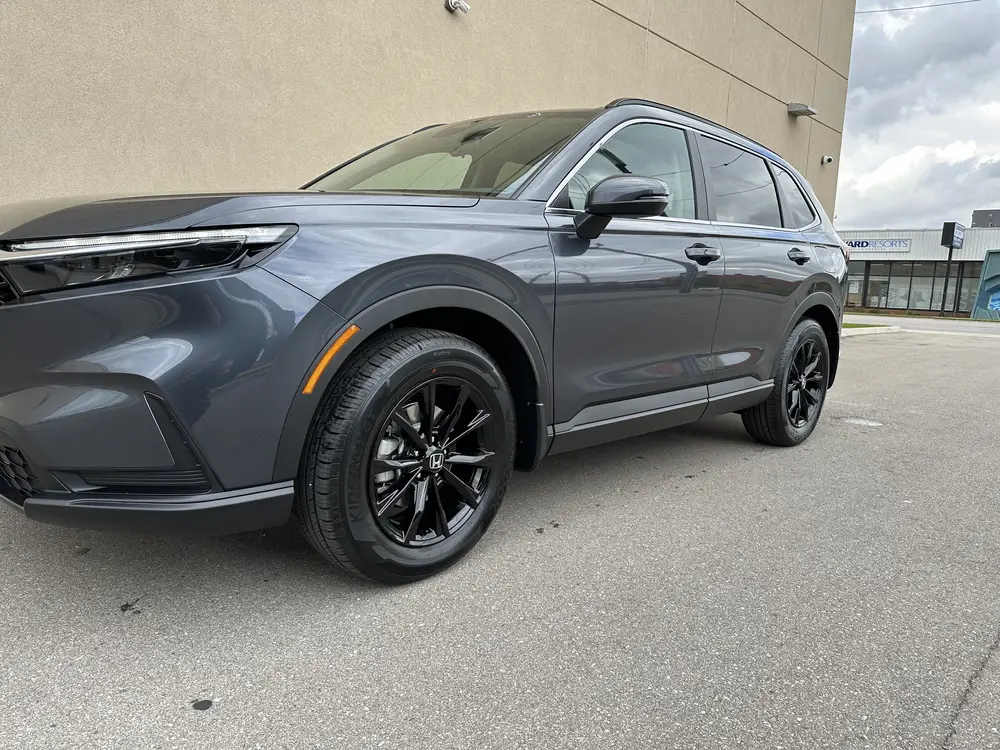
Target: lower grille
[
  {"x": 17, "y": 481},
  {"x": 6, "y": 291},
  {"x": 168, "y": 481}
]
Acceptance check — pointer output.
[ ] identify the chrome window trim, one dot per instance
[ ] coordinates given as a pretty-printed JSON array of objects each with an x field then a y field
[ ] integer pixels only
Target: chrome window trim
[
  {"x": 668, "y": 219},
  {"x": 723, "y": 225},
  {"x": 684, "y": 129},
  {"x": 596, "y": 147}
]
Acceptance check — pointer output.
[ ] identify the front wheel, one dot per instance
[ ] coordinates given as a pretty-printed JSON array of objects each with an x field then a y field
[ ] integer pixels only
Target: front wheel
[
  {"x": 409, "y": 456},
  {"x": 791, "y": 412}
]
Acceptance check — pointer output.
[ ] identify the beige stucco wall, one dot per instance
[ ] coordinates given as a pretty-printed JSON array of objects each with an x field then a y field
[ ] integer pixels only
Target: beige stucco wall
[{"x": 143, "y": 96}]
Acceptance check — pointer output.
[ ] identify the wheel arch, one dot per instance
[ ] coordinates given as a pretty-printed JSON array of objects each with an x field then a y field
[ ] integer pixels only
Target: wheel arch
[
  {"x": 821, "y": 308},
  {"x": 478, "y": 316}
]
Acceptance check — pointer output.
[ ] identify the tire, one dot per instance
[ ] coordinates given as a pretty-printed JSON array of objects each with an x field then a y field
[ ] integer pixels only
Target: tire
[
  {"x": 775, "y": 422},
  {"x": 344, "y": 501}
]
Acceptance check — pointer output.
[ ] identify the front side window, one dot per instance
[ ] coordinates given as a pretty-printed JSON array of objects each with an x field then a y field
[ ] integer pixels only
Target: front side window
[
  {"x": 741, "y": 184},
  {"x": 492, "y": 156},
  {"x": 644, "y": 149},
  {"x": 800, "y": 213}
]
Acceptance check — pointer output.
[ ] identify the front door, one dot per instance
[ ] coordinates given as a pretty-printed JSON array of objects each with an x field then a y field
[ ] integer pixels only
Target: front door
[{"x": 636, "y": 308}]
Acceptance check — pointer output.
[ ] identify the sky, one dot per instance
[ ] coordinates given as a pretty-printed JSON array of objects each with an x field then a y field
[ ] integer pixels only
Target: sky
[{"x": 922, "y": 135}]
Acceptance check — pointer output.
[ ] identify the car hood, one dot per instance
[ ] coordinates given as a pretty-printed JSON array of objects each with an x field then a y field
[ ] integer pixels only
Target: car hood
[{"x": 63, "y": 217}]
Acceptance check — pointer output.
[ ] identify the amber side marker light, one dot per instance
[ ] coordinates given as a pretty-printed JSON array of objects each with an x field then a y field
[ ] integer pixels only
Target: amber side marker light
[{"x": 317, "y": 373}]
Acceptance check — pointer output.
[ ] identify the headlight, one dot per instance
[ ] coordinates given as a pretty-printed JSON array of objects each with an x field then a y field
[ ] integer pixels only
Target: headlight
[{"x": 46, "y": 265}]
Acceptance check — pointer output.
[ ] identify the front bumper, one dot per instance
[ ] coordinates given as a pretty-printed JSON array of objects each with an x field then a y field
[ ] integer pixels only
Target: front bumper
[
  {"x": 213, "y": 514},
  {"x": 155, "y": 407}
]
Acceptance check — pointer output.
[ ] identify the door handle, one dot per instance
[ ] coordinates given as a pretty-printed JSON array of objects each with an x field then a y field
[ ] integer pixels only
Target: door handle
[
  {"x": 799, "y": 256},
  {"x": 703, "y": 254}
]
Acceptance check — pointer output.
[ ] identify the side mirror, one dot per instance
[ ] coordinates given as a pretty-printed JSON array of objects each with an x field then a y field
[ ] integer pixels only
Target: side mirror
[{"x": 621, "y": 196}]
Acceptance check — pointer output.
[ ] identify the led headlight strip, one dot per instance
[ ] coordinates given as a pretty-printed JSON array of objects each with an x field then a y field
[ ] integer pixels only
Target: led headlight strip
[{"x": 19, "y": 252}]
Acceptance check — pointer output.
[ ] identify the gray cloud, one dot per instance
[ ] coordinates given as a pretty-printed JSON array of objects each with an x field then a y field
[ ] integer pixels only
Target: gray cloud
[
  {"x": 937, "y": 40},
  {"x": 940, "y": 58},
  {"x": 922, "y": 131}
]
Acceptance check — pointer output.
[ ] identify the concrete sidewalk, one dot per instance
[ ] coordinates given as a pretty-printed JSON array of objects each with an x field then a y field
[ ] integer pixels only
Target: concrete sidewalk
[{"x": 929, "y": 325}]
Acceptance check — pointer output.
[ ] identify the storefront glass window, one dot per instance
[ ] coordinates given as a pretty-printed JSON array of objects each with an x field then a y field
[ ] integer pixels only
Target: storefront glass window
[
  {"x": 899, "y": 284},
  {"x": 939, "y": 272},
  {"x": 922, "y": 286},
  {"x": 970, "y": 286},
  {"x": 855, "y": 280},
  {"x": 949, "y": 303},
  {"x": 877, "y": 293},
  {"x": 939, "y": 286}
]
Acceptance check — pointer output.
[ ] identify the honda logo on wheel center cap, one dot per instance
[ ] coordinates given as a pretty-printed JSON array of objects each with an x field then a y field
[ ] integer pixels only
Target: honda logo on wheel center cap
[{"x": 435, "y": 461}]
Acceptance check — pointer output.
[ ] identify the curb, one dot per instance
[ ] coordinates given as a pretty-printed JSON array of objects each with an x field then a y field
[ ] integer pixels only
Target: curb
[{"x": 848, "y": 332}]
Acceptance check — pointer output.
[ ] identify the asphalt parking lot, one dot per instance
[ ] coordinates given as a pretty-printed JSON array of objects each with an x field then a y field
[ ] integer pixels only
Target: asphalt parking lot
[{"x": 689, "y": 589}]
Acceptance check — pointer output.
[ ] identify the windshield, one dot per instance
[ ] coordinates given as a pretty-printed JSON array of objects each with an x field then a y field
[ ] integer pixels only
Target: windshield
[{"x": 493, "y": 156}]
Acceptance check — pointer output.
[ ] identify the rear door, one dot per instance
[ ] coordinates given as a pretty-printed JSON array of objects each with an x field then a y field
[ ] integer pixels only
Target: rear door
[
  {"x": 768, "y": 265},
  {"x": 636, "y": 308}
]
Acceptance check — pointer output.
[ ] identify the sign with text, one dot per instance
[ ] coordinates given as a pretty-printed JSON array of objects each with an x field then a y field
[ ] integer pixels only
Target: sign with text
[
  {"x": 953, "y": 235},
  {"x": 880, "y": 246}
]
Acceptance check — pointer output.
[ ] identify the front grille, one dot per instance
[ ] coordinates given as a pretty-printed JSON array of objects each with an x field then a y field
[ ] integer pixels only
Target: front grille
[{"x": 17, "y": 481}]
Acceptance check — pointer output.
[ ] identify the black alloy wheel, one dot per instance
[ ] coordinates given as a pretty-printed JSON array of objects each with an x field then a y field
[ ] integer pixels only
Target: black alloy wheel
[
  {"x": 806, "y": 383},
  {"x": 409, "y": 455},
  {"x": 432, "y": 463},
  {"x": 792, "y": 409}
]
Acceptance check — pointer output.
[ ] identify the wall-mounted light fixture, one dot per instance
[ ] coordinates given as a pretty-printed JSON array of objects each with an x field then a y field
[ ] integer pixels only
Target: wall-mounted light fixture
[
  {"x": 457, "y": 5},
  {"x": 798, "y": 109}
]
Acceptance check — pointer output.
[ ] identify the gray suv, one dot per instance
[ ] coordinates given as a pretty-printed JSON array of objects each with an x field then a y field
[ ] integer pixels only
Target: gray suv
[{"x": 373, "y": 354}]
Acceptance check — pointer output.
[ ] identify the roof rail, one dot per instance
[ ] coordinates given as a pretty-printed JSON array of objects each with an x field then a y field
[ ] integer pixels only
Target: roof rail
[{"x": 678, "y": 111}]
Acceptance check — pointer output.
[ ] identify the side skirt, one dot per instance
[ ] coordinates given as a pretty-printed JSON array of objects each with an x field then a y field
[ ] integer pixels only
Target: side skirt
[{"x": 605, "y": 423}]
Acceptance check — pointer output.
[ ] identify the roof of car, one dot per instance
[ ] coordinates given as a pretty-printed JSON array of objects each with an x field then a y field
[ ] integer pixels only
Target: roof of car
[
  {"x": 696, "y": 119},
  {"x": 676, "y": 114}
]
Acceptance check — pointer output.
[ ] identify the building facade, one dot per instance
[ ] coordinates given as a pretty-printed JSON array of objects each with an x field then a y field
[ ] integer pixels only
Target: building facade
[
  {"x": 986, "y": 218},
  {"x": 898, "y": 269},
  {"x": 118, "y": 96}
]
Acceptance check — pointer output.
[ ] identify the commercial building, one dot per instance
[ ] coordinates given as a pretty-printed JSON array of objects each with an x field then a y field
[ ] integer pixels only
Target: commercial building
[
  {"x": 986, "y": 218},
  {"x": 113, "y": 96},
  {"x": 897, "y": 269}
]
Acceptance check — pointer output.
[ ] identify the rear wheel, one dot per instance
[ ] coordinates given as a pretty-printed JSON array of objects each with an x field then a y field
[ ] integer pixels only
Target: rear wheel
[
  {"x": 409, "y": 456},
  {"x": 792, "y": 411}
]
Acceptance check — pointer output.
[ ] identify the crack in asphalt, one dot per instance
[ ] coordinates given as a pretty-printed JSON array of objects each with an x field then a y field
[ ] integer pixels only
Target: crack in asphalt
[{"x": 970, "y": 686}]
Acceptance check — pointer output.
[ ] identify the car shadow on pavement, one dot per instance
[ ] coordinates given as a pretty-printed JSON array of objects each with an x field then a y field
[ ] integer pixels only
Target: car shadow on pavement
[{"x": 128, "y": 567}]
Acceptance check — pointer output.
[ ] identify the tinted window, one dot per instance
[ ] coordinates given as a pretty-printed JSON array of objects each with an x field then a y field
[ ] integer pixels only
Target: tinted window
[
  {"x": 742, "y": 185},
  {"x": 491, "y": 156},
  {"x": 643, "y": 149},
  {"x": 800, "y": 213}
]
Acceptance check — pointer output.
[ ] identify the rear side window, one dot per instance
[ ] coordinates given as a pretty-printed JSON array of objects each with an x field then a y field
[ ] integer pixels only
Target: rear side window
[
  {"x": 645, "y": 149},
  {"x": 800, "y": 213},
  {"x": 741, "y": 184}
]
